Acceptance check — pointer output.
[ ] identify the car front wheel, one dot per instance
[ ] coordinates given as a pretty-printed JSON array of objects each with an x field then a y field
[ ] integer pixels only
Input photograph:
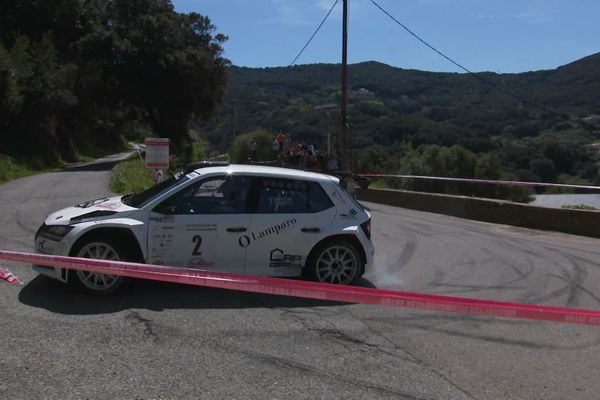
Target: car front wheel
[
  {"x": 335, "y": 261},
  {"x": 95, "y": 282}
]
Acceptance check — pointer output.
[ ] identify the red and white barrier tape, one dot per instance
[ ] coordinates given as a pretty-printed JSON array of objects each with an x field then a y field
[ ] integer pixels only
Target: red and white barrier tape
[
  {"x": 484, "y": 181},
  {"x": 312, "y": 290}
]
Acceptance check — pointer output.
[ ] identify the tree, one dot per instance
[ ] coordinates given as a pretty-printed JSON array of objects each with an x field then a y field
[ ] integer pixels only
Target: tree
[
  {"x": 168, "y": 64},
  {"x": 85, "y": 74},
  {"x": 544, "y": 168},
  {"x": 38, "y": 88},
  {"x": 240, "y": 148}
]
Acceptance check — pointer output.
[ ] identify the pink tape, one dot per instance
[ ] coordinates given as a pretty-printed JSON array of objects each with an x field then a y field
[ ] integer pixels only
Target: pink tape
[
  {"x": 8, "y": 277},
  {"x": 313, "y": 290},
  {"x": 485, "y": 181}
]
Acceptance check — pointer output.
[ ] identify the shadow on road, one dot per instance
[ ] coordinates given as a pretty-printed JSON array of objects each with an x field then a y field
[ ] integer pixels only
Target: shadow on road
[
  {"x": 54, "y": 296},
  {"x": 95, "y": 167},
  {"x": 103, "y": 164}
]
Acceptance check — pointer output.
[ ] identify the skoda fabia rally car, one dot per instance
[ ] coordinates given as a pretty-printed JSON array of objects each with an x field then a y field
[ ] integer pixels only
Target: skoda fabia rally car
[{"x": 232, "y": 218}]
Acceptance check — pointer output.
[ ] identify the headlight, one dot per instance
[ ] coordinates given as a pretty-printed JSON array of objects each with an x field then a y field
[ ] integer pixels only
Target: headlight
[{"x": 53, "y": 232}]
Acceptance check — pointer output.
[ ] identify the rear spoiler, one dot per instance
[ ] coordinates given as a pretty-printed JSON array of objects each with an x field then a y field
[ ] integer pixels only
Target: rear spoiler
[{"x": 362, "y": 182}]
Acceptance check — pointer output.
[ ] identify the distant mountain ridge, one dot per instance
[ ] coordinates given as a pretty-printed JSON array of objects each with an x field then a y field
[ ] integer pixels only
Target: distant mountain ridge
[
  {"x": 410, "y": 120},
  {"x": 425, "y": 107}
]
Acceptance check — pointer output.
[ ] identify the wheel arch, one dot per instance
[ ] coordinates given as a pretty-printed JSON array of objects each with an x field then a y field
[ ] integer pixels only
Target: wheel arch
[
  {"x": 344, "y": 236},
  {"x": 111, "y": 234}
]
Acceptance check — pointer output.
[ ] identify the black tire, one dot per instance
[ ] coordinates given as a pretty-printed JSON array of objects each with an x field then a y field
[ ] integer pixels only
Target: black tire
[
  {"x": 335, "y": 261},
  {"x": 103, "y": 249}
]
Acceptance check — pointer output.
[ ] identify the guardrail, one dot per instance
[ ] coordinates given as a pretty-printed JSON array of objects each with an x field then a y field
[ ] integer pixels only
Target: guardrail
[
  {"x": 575, "y": 222},
  {"x": 496, "y": 182},
  {"x": 312, "y": 290}
]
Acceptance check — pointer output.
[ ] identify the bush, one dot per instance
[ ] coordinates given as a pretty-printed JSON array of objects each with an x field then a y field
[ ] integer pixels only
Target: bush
[
  {"x": 10, "y": 169},
  {"x": 240, "y": 148},
  {"x": 130, "y": 176},
  {"x": 197, "y": 151},
  {"x": 583, "y": 207}
]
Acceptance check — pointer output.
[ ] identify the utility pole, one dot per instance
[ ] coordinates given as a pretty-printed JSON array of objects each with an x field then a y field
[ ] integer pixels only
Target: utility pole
[{"x": 344, "y": 98}]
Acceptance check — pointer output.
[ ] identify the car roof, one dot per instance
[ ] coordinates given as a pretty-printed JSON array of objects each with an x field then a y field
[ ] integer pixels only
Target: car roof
[{"x": 259, "y": 170}]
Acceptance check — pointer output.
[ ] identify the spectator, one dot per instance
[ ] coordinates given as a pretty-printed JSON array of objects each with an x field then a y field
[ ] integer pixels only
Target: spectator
[
  {"x": 334, "y": 164},
  {"x": 281, "y": 139},
  {"x": 253, "y": 146}
]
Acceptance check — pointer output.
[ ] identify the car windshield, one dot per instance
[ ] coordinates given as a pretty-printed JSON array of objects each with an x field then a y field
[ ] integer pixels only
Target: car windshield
[{"x": 139, "y": 200}]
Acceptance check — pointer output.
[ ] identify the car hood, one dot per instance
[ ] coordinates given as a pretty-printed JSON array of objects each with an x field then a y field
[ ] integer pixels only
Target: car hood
[{"x": 89, "y": 211}]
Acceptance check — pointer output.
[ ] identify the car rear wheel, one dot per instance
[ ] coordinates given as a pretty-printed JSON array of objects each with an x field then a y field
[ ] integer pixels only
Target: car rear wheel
[
  {"x": 95, "y": 282},
  {"x": 335, "y": 261}
]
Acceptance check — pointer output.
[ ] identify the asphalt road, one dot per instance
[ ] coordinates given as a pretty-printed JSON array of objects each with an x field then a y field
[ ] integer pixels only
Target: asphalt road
[{"x": 162, "y": 341}]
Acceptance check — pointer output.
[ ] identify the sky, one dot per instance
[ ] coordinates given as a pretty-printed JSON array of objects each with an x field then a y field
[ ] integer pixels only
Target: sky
[{"x": 504, "y": 36}]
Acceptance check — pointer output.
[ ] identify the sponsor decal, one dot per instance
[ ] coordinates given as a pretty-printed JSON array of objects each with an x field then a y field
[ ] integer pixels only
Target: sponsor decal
[
  {"x": 278, "y": 258},
  {"x": 43, "y": 248},
  {"x": 201, "y": 227},
  {"x": 162, "y": 243},
  {"x": 167, "y": 219},
  {"x": 350, "y": 214},
  {"x": 110, "y": 206},
  {"x": 246, "y": 240},
  {"x": 200, "y": 263},
  {"x": 92, "y": 203},
  {"x": 192, "y": 175}
]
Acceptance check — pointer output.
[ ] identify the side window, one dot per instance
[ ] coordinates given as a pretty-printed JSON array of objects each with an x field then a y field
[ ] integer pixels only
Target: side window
[
  {"x": 287, "y": 196},
  {"x": 318, "y": 200},
  {"x": 220, "y": 195}
]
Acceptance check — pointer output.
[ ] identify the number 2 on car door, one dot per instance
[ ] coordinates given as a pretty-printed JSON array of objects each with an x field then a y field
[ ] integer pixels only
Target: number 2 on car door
[{"x": 197, "y": 240}]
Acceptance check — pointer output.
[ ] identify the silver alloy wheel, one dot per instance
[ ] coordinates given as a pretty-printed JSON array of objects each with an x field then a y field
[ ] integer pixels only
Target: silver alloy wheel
[
  {"x": 94, "y": 281},
  {"x": 337, "y": 264}
]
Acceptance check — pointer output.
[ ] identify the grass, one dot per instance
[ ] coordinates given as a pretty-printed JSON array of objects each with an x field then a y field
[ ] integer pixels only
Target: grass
[
  {"x": 11, "y": 169},
  {"x": 130, "y": 176},
  {"x": 584, "y": 207}
]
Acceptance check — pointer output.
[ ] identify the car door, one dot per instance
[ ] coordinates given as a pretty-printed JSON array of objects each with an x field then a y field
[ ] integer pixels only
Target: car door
[
  {"x": 289, "y": 216},
  {"x": 198, "y": 227}
]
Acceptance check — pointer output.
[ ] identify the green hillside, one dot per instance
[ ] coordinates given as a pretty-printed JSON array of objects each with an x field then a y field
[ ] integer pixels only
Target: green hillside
[
  {"x": 395, "y": 111},
  {"x": 83, "y": 78}
]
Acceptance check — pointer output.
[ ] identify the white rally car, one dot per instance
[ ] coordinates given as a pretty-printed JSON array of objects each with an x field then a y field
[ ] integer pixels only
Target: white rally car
[{"x": 232, "y": 218}]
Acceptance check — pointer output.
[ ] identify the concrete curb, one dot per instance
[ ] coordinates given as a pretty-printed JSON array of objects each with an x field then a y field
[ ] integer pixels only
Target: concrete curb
[{"x": 575, "y": 222}]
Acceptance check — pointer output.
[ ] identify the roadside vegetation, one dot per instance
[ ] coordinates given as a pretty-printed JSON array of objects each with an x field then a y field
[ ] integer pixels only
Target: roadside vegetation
[
  {"x": 433, "y": 160},
  {"x": 86, "y": 77},
  {"x": 240, "y": 148},
  {"x": 130, "y": 176},
  {"x": 405, "y": 120},
  {"x": 583, "y": 207},
  {"x": 10, "y": 169}
]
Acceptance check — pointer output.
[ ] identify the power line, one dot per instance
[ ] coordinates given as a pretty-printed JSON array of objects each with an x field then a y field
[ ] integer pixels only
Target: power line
[
  {"x": 314, "y": 33},
  {"x": 473, "y": 74}
]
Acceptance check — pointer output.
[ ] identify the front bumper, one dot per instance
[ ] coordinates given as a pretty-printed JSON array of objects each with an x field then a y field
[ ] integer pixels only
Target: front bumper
[
  {"x": 54, "y": 273},
  {"x": 52, "y": 247},
  {"x": 370, "y": 253}
]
